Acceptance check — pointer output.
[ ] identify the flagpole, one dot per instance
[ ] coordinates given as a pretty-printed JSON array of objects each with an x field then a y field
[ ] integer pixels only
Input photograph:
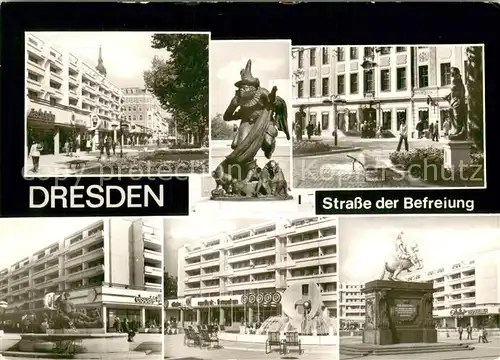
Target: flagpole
[
  {"x": 245, "y": 309},
  {"x": 258, "y": 307},
  {"x": 231, "y": 308}
]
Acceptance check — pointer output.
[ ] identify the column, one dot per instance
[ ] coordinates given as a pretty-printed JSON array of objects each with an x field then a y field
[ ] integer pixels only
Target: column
[
  {"x": 95, "y": 140},
  {"x": 471, "y": 320},
  {"x": 56, "y": 140},
  {"x": 331, "y": 123},
  {"x": 222, "y": 320},
  {"x": 143, "y": 317},
  {"x": 78, "y": 142},
  {"x": 456, "y": 322},
  {"x": 105, "y": 318},
  {"x": 181, "y": 320},
  {"x": 250, "y": 315},
  {"x": 198, "y": 316},
  {"x": 114, "y": 135}
]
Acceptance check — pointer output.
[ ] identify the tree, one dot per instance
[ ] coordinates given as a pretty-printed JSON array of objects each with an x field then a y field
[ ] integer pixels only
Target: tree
[
  {"x": 474, "y": 74},
  {"x": 221, "y": 130},
  {"x": 181, "y": 82},
  {"x": 169, "y": 286}
]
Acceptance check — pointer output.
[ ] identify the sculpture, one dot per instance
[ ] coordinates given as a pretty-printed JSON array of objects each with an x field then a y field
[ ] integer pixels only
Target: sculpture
[
  {"x": 406, "y": 258},
  {"x": 458, "y": 110},
  {"x": 68, "y": 317},
  {"x": 262, "y": 115}
]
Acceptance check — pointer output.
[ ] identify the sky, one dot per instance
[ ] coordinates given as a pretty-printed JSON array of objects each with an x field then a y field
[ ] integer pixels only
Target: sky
[
  {"x": 126, "y": 54},
  {"x": 23, "y": 237},
  {"x": 270, "y": 61},
  {"x": 181, "y": 231},
  {"x": 365, "y": 243}
]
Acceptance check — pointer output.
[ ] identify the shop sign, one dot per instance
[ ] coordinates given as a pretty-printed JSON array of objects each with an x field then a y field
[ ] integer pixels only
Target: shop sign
[
  {"x": 476, "y": 312},
  {"x": 151, "y": 300},
  {"x": 43, "y": 116},
  {"x": 218, "y": 302}
]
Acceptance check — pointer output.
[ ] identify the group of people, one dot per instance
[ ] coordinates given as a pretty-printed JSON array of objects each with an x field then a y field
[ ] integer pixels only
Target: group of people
[
  {"x": 482, "y": 333},
  {"x": 311, "y": 128}
]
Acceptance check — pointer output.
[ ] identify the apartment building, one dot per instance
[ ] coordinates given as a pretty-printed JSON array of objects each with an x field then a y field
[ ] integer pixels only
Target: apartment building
[
  {"x": 66, "y": 95},
  {"x": 379, "y": 85},
  {"x": 142, "y": 109},
  {"x": 113, "y": 266},
  {"x": 351, "y": 304},
  {"x": 239, "y": 277}
]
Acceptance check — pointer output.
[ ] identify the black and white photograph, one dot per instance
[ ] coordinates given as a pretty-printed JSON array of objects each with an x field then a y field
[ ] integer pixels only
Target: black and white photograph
[
  {"x": 87, "y": 288},
  {"x": 250, "y": 110},
  {"x": 387, "y": 117},
  {"x": 116, "y": 103},
  {"x": 251, "y": 288},
  {"x": 419, "y": 287}
]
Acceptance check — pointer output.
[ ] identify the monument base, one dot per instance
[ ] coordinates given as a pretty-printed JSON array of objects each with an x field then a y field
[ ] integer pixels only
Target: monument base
[
  {"x": 398, "y": 312},
  {"x": 457, "y": 153},
  {"x": 361, "y": 350}
]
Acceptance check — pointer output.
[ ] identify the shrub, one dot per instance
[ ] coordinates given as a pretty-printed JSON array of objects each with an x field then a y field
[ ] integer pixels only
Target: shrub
[
  {"x": 387, "y": 134},
  {"x": 351, "y": 133},
  {"x": 185, "y": 146},
  {"x": 311, "y": 147},
  {"x": 427, "y": 164}
]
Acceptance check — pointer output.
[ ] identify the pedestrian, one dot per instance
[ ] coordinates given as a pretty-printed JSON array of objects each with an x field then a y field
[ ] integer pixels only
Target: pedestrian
[
  {"x": 88, "y": 145},
  {"x": 469, "y": 332},
  {"x": 435, "y": 134},
  {"x": 114, "y": 147},
  {"x": 108, "y": 147},
  {"x": 420, "y": 128},
  {"x": 460, "y": 332},
  {"x": 34, "y": 154},
  {"x": 66, "y": 147},
  {"x": 446, "y": 127},
  {"x": 299, "y": 122},
  {"x": 480, "y": 335},
  {"x": 485, "y": 334},
  {"x": 101, "y": 147},
  {"x": 117, "y": 325},
  {"x": 403, "y": 135},
  {"x": 431, "y": 130},
  {"x": 310, "y": 130}
]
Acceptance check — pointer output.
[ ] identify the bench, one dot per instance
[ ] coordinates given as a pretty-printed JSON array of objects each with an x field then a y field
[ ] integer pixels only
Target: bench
[
  {"x": 292, "y": 340},
  {"x": 77, "y": 163},
  {"x": 208, "y": 339},
  {"x": 273, "y": 339},
  {"x": 369, "y": 165}
]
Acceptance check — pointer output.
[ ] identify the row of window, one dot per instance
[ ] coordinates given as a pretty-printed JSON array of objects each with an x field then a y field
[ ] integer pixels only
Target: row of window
[
  {"x": 369, "y": 81},
  {"x": 340, "y": 53}
]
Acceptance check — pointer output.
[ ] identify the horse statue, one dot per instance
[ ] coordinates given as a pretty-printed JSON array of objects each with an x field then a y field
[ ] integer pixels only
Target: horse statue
[{"x": 404, "y": 261}]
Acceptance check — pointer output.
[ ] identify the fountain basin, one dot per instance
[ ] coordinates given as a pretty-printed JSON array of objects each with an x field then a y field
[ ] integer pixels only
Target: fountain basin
[
  {"x": 261, "y": 339},
  {"x": 82, "y": 343}
]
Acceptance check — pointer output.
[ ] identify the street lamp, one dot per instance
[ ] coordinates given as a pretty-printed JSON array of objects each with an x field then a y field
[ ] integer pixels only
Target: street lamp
[{"x": 335, "y": 100}]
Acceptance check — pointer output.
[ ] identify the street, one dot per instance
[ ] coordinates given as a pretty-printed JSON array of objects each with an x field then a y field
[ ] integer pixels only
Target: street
[
  {"x": 336, "y": 170},
  {"x": 489, "y": 351},
  {"x": 174, "y": 349}
]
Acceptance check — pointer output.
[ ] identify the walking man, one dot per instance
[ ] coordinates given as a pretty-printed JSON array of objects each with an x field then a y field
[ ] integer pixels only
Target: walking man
[
  {"x": 460, "y": 332},
  {"x": 403, "y": 135},
  {"x": 435, "y": 134},
  {"x": 469, "y": 332}
]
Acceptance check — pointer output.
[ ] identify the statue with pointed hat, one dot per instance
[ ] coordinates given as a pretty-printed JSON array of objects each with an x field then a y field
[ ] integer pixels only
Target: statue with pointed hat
[{"x": 262, "y": 114}]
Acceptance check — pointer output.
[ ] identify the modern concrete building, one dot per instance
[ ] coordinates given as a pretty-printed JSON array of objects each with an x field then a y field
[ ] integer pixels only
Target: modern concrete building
[
  {"x": 217, "y": 276},
  {"x": 351, "y": 304},
  {"x": 142, "y": 109},
  {"x": 377, "y": 84},
  {"x": 113, "y": 266},
  {"x": 65, "y": 95}
]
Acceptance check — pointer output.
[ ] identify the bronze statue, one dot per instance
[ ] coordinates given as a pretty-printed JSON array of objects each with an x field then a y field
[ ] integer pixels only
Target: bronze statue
[
  {"x": 262, "y": 115},
  {"x": 67, "y": 315},
  {"x": 458, "y": 110},
  {"x": 406, "y": 258}
]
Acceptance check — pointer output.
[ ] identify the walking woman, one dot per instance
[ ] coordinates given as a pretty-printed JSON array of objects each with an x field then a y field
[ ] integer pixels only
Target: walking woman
[{"x": 35, "y": 154}]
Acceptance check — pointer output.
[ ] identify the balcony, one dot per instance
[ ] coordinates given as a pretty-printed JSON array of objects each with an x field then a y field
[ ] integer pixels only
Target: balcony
[
  {"x": 153, "y": 255},
  {"x": 152, "y": 285},
  {"x": 34, "y": 45},
  {"x": 35, "y": 68},
  {"x": 47, "y": 283},
  {"x": 87, "y": 241},
  {"x": 34, "y": 85},
  {"x": 313, "y": 261},
  {"x": 211, "y": 276},
  {"x": 73, "y": 80},
  {"x": 210, "y": 263},
  {"x": 89, "y": 256},
  {"x": 46, "y": 271},
  {"x": 193, "y": 291},
  {"x": 310, "y": 244},
  {"x": 73, "y": 94},
  {"x": 56, "y": 58},
  {"x": 85, "y": 273},
  {"x": 88, "y": 100},
  {"x": 89, "y": 88},
  {"x": 73, "y": 63},
  {"x": 320, "y": 278},
  {"x": 153, "y": 271},
  {"x": 151, "y": 238},
  {"x": 19, "y": 281},
  {"x": 56, "y": 77}
]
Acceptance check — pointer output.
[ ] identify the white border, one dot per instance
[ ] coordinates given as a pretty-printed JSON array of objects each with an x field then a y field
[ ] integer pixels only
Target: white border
[
  {"x": 25, "y": 167},
  {"x": 414, "y": 188},
  {"x": 289, "y": 106}
]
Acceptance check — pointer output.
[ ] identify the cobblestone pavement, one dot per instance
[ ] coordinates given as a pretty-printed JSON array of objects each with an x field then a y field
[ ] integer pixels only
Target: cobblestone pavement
[
  {"x": 336, "y": 171},
  {"x": 175, "y": 350}
]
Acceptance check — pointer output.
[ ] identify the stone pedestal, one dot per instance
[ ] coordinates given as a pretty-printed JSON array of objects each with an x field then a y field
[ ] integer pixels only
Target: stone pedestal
[
  {"x": 457, "y": 153},
  {"x": 398, "y": 312}
]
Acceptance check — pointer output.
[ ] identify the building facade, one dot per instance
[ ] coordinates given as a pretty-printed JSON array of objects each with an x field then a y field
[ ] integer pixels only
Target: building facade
[
  {"x": 377, "y": 85},
  {"x": 351, "y": 305},
  {"x": 219, "y": 277},
  {"x": 65, "y": 96},
  {"x": 142, "y": 109},
  {"x": 113, "y": 267}
]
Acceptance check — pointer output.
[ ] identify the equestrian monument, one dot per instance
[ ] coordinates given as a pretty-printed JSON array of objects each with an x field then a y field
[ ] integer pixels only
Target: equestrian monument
[
  {"x": 262, "y": 114},
  {"x": 399, "y": 311}
]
